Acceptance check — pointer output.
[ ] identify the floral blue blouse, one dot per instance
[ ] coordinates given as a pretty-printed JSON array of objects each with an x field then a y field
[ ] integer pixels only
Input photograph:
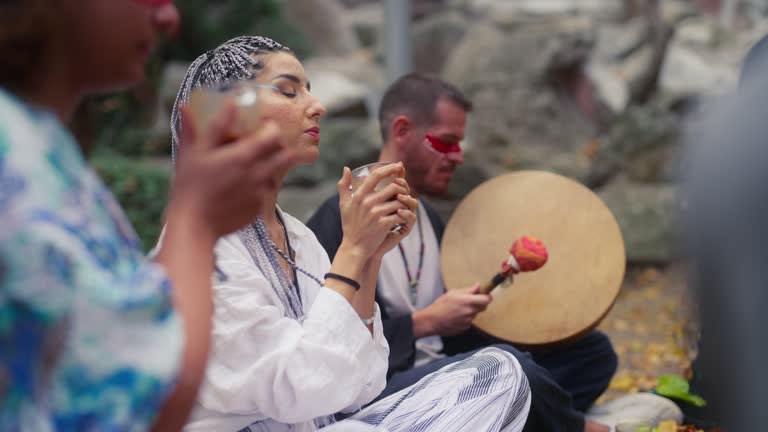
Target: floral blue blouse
[{"x": 89, "y": 340}]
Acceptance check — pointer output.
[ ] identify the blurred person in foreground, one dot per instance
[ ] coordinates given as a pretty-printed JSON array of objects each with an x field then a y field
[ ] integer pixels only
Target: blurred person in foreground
[
  {"x": 726, "y": 220},
  {"x": 93, "y": 336}
]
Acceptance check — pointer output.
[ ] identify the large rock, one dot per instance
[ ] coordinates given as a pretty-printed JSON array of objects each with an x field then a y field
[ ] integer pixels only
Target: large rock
[
  {"x": 642, "y": 143},
  {"x": 325, "y": 25},
  {"x": 689, "y": 72},
  {"x": 628, "y": 58},
  {"x": 616, "y": 41},
  {"x": 341, "y": 96},
  {"x": 368, "y": 23},
  {"x": 475, "y": 171},
  {"x": 354, "y": 4},
  {"x": 359, "y": 68},
  {"x": 646, "y": 214},
  {"x": 529, "y": 91},
  {"x": 701, "y": 59},
  {"x": 573, "y": 164},
  {"x": 301, "y": 202},
  {"x": 610, "y": 84},
  {"x": 435, "y": 38},
  {"x": 467, "y": 177},
  {"x": 674, "y": 11},
  {"x": 349, "y": 142},
  {"x": 419, "y": 8},
  {"x": 600, "y": 8},
  {"x": 423, "y": 8}
]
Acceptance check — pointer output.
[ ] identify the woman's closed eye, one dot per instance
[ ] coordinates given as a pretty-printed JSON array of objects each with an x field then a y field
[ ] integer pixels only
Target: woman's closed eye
[
  {"x": 289, "y": 93},
  {"x": 290, "y": 85},
  {"x": 287, "y": 88}
]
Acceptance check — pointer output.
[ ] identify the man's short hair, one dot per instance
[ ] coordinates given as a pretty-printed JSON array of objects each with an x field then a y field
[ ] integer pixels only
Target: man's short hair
[{"x": 415, "y": 95}]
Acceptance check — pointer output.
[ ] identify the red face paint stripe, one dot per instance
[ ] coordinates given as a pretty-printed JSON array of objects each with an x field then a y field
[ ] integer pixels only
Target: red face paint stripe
[{"x": 442, "y": 146}]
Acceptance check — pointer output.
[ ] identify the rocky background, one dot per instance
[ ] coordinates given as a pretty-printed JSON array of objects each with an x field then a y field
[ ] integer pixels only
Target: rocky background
[{"x": 597, "y": 90}]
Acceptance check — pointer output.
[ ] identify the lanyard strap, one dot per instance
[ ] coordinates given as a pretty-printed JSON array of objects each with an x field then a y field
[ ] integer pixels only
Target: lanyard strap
[{"x": 413, "y": 282}]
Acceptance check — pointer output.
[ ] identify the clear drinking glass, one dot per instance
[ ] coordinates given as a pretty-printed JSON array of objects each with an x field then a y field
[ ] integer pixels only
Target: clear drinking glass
[
  {"x": 206, "y": 103},
  {"x": 359, "y": 175}
]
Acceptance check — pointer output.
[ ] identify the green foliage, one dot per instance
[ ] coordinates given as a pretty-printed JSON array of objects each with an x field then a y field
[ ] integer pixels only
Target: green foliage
[
  {"x": 142, "y": 190},
  {"x": 676, "y": 387},
  {"x": 206, "y": 24},
  {"x": 133, "y": 142},
  {"x": 122, "y": 122}
]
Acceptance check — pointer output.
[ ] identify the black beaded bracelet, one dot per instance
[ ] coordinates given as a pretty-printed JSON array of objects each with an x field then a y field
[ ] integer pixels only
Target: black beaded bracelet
[{"x": 351, "y": 282}]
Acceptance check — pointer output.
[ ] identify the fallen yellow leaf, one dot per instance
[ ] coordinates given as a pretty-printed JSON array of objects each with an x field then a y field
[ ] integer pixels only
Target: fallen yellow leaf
[
  {"x": 623, "y": 383},
  {"x": 668, "y": 426}
]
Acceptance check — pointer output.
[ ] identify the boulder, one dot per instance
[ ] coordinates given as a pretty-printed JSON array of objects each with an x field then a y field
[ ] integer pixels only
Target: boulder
[
  {"x": 354, "y": 4},
  {"x": 674, "y": 11},
  {"x": 344, "y": 142},
  {"x": 349, "y": 142},
  {"x": 629, "y": 55},
  {"x": 642, "y": 143},
  {"x": 368, "y": 23},
  {"x": 341, "y": 96},
  {"x": 618, "y": 40},
  {"x": 646, "y": 214},
  {"x": 302, "y": 202},
  {"x": 359, "y": 67},
  {"x": 435, "y": 38},
  {"x": 701, "y": 59},
  {"x": 610, "y": 85},
  {"x": 325, "y": 25},
  {"x": 468, "y": 176},
  {"x": 532, "y": 99},
  {"x": 598, "y": 8}
]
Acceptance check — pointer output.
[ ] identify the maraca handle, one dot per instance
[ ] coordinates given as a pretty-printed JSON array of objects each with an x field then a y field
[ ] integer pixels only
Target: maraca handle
[{"x": 493, "y": 283}]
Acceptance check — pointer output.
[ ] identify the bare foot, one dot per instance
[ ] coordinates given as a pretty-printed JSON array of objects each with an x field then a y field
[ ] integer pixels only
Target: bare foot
[{"x": 590, "y": 426}]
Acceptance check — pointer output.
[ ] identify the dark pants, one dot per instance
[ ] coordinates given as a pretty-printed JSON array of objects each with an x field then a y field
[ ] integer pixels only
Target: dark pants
[{"x": 564, "y": 381}]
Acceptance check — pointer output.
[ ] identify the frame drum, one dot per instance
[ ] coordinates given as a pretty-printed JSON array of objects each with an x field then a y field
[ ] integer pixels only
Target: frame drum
[{"x": 576, "y": 288}]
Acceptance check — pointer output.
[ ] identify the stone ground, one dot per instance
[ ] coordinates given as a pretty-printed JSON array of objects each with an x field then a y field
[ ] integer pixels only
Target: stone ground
[{"x": 653, "y": 329}]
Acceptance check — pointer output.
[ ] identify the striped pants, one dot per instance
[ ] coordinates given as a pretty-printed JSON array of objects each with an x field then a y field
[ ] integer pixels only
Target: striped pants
[{"x": 486, "y": 392}]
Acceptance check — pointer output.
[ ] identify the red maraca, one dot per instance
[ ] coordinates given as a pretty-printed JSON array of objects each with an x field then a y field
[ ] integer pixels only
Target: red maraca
[{"x": 526, "y": 254}]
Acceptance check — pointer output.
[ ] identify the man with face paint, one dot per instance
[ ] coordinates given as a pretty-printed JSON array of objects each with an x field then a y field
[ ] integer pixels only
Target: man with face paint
[{"x": 422, "y": 122}]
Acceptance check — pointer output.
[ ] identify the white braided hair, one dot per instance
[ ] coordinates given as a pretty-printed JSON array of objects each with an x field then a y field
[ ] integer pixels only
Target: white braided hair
[{"x": 234, "y": 60}]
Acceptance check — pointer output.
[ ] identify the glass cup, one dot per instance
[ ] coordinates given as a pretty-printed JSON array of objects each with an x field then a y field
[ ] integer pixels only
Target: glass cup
[
  {"x": 206, "y": 103},
  {"x": 359, "y": 175},
  {"x": 634, "y": 426}
]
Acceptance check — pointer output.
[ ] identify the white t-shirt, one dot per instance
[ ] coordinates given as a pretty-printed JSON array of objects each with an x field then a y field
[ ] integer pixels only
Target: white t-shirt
[{"x": 394, "y": 286}]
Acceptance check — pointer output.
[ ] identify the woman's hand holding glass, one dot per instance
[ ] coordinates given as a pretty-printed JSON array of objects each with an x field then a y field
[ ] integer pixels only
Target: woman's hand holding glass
[
  {"x": 403, "y": 229},
  {"x": 368, "y": 214},
  {"x": 222, "y": 181}
]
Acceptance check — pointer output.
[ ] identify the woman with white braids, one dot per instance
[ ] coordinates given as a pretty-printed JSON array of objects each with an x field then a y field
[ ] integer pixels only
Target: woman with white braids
[{"x": 297, "y": 338}]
